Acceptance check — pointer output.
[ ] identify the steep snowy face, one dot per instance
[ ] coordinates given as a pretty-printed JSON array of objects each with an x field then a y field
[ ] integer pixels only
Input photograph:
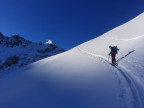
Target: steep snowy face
[
  {"x": 132, "y": 29},
  {"x": 127, "y": 37},
  {"x": 17, "y": 51}
]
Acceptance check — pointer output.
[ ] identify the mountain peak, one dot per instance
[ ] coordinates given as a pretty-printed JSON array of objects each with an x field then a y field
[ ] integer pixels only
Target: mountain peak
[
  {"x": 48, "y": 42},
  {"x": 17, "y": 36}
]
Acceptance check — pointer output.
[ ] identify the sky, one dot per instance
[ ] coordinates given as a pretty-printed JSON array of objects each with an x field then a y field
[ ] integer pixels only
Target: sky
[{"x": 66, "y": 22}]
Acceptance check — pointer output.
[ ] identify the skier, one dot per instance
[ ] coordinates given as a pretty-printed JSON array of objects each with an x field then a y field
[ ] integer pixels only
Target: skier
[{"x": 113, "y": 53}]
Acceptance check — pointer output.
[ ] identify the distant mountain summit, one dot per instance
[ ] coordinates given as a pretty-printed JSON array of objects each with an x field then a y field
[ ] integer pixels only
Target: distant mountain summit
[{"x": 16, "y": 51}]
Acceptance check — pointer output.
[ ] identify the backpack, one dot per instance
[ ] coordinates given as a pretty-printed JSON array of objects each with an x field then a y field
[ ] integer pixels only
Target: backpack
[{"x": 114, "y": 49}]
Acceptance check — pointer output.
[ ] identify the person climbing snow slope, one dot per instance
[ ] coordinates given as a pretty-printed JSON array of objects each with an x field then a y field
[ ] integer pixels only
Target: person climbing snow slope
[{"x": 113, "y": 52}]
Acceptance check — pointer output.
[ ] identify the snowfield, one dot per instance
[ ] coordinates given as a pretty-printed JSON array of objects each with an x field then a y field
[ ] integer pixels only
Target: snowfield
[{"x": 83, "y": 76}]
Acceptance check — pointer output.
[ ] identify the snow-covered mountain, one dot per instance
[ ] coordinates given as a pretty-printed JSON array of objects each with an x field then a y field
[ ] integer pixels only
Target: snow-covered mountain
[
  {"x": 83, "y": 76},
  {"x": 16, "y": 51}
]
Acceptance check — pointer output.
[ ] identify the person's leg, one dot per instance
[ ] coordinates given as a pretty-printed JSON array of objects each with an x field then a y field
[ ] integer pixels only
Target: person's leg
[{"x": 112, "y": 57}]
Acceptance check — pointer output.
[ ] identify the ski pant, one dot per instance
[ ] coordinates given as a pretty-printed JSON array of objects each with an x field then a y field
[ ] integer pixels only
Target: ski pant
[{"x": 113, "y": 58}]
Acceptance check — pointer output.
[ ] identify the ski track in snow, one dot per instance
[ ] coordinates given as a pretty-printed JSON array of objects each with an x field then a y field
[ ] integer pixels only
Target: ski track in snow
[{"x": 134, "y": 87}]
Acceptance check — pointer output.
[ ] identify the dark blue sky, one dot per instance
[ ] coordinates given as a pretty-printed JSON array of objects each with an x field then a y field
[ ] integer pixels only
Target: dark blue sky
[{"x": 66, "y": 22}]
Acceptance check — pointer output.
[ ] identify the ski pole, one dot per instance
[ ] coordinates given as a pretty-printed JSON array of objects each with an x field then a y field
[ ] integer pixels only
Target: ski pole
[{"x": 108, "y": 57}]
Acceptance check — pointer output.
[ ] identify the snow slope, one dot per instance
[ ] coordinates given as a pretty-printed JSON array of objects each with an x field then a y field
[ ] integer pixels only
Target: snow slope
[{"x": 83, "y": 77}]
